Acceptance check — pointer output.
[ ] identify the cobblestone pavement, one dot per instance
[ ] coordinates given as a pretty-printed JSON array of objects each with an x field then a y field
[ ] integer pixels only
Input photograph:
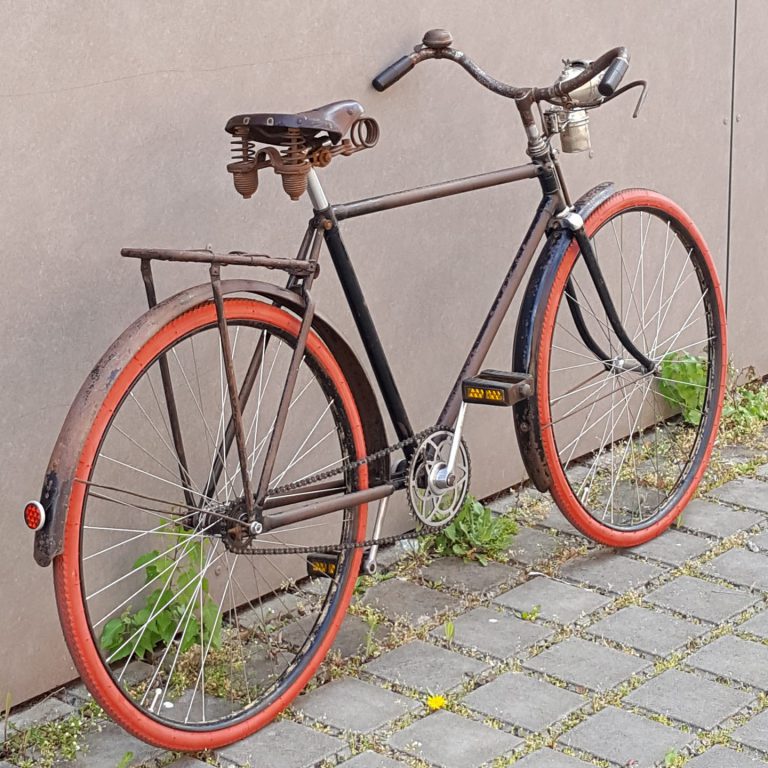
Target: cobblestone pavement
[{"x": 570, "y": 655}]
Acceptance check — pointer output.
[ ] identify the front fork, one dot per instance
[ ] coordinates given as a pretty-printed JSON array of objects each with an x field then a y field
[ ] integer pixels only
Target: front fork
[{"x": 575, "y": 223}]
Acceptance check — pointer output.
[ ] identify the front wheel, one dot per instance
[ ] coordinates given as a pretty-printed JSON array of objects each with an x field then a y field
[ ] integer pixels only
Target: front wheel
[
  {"x": 627, "y": 447},
  {"x": 185, "y": 633}
]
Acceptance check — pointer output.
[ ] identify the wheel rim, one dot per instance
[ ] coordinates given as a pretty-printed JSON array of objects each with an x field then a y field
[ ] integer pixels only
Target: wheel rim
[
  {"x": 247, "y": 634},
  {"x": 661, "y": 284}
]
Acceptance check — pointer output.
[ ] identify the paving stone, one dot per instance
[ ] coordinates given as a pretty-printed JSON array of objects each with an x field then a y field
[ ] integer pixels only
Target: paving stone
[
  {"x": 76, "y": 694},
  {"x": 647, "y": 631},
  {"x": 722, "y": 757},
  {"x": 548, "y": 758},
  {"x": 716, "y": 519},
  {"x": 185, "y": 762},
  {"x": 556, "y": 520},
  {"x": 351, "y": 704},
  {"x": 557, "y": 601},
  {"x": 758, "y": 542},
  {"x": 134, "y": 673},
  {"x": 215, "y": 707},
  {"x": 673, "y": 547},
  {"x": 521, "y": 700},
  {"x": 389, "y": 556},
  {"x": 745, "y": 492},
  {"x": 626, "y": 496},
  {"x": 577, "y": 473},
  {"x": 762, "y": 471},
  {"x": 287, "y": 745},
  {"x": 450, "y": 741},
  {"x": 690, "y": 699},
  {"x": 425, "y": 667},
  {"x": 740, "y": 566},
  {"x": 353, "y": 637},
  {"x": 738, "y": 454},
  {"x": 455, "y": 573},
  {"x": 107, "y": 747},
  {"x": 504, "y": 504},
  {"x": 609, "y": 571},
  {"x": 757, "y": 625},
  {"x": 397, "y": 598},
  {"x": 754, "y": 733},
  {"x": 497, "y": 634},
  {"x": 531, "y": 546},
  {"x": 268, "y": 610},
  {"x": 702, "y": 599},
  {"x": 625, "y": 739},
  {"x": 735, "y": 659},
  {"x": 265, "y": 667},
  {"x": 371, "y": 760},
  {"x": 587, "y": 664},
  {"x": 42, "y": 712}
]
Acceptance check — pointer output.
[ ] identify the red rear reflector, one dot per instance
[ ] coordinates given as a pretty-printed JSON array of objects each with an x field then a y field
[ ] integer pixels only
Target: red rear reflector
[{"x": 34, "y": 515}]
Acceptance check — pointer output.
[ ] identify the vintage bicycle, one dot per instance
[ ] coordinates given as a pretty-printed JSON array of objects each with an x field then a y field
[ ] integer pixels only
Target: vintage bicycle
[{"x": 205, "y": 507}]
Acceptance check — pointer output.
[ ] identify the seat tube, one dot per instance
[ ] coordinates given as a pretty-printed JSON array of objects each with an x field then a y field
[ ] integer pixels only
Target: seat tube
[
  {"x": 315, "y": 190},
  {"x": 360, "y": 312}
]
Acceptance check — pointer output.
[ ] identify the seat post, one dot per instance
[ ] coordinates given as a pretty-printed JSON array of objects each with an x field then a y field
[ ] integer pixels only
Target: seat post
[{"x": 315, "y": 189}]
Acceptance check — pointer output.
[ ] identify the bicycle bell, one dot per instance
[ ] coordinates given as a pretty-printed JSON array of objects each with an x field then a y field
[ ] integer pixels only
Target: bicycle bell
[{"x": 570, "y": 121}]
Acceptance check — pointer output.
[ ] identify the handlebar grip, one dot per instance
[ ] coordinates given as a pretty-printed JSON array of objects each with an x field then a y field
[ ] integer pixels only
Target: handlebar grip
[
  {"x": 393, "y": 73},
  {"x": 613, "y": 76}
]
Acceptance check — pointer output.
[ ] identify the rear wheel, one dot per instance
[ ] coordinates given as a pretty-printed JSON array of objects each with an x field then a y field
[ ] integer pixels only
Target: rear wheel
[
  {"x": 183, "y": 632},
  {"x": 626, "y": 448}
]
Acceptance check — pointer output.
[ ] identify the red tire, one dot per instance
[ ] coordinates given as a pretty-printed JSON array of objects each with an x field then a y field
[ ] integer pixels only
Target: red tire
[
  {"x": 75, "y": 607},
  {"x": 592, "y": 473}
]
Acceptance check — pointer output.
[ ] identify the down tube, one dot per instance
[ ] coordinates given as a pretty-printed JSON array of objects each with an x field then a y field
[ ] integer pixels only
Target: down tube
[{"x": 500, "y": 306}]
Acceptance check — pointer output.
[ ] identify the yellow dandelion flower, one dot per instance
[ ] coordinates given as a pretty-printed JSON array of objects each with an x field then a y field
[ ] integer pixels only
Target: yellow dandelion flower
[{"x": 436, "y": 701}]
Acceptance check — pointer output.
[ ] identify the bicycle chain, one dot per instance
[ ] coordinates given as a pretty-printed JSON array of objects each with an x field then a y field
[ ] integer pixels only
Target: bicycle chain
[{"x": 350, "y": 465}]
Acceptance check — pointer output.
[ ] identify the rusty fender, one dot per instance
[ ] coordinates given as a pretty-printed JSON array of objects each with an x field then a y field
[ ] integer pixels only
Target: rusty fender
[
  {"x": 61, "y": 470},
  {"x": 529, "y": 330}
]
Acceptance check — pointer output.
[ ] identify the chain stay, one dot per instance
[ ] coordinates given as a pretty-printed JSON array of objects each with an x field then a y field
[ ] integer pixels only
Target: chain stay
[{"x": 350, "y": 465}]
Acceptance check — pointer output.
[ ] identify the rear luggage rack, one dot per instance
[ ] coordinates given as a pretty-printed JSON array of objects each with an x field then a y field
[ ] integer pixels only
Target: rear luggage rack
[{"x": 299, "y": 267}]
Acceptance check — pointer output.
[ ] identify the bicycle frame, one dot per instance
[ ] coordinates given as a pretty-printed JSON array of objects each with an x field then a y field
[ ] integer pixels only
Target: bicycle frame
[
  {"x": 326, "y": 220},
  {"x": 546, "y": 209},
  {"x": 323, "y": 498}
]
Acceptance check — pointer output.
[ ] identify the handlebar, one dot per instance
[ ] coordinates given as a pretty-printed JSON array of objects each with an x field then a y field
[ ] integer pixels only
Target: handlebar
[
  {"x": 393, "y": 73},
  {"x": 437, "y": 45}
]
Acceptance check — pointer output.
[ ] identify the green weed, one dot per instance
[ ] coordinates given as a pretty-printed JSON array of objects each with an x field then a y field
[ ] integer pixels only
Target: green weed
[
  {"x": 683, "y": 383},
  {"x": 175, "y": 603},
  {"x": 474, "y": 534}
]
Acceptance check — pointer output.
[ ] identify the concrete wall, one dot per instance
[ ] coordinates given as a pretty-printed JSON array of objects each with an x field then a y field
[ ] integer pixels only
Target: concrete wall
[{"x": 112, "y": 133}]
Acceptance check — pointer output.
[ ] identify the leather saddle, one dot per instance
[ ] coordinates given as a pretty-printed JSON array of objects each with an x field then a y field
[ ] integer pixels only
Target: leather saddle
[{"x": 316, "y": 126}]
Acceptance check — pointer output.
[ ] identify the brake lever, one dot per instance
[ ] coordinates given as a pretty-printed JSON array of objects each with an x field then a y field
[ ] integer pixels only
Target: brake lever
[{"x": 634, "y": 84}]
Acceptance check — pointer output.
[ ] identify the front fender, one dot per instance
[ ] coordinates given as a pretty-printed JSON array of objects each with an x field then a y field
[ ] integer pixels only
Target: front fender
[
  {"x": 529, "y": 329},
  {"x": 60, "y": 474}
]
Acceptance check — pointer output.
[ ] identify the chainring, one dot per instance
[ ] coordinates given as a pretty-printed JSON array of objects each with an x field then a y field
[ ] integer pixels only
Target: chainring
[{"x": 435, "y": 500}]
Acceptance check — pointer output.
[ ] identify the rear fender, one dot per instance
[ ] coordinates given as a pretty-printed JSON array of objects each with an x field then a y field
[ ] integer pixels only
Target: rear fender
[{"x": 62, "y": 467}]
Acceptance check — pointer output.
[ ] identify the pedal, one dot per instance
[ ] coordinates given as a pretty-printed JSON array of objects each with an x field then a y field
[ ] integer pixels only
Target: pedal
[
  {"x": 322, "y": 565},
  {"x": 496, "y": 388}
]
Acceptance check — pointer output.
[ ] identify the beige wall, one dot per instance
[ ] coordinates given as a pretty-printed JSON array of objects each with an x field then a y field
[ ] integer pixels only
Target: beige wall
[{"x": 111, "y": 124}]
